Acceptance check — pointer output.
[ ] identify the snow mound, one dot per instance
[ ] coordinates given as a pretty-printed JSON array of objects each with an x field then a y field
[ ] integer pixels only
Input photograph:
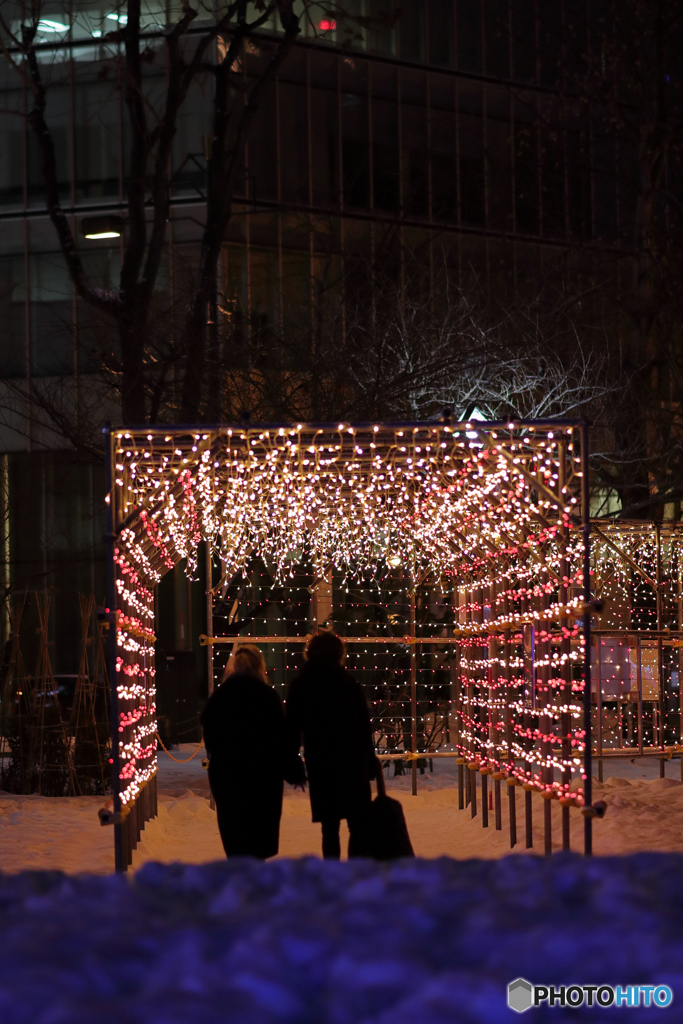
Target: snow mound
[
  {"x": 658, "y": 784},
  {"x": 307, "y": 941}
]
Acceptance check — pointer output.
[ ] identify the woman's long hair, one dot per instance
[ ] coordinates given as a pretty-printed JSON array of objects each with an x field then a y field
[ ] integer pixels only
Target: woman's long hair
[{"x": 247, "y": 659}]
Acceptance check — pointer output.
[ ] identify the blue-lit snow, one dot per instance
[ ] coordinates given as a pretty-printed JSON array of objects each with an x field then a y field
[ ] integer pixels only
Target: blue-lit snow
[{"x": 294, "y": 941}]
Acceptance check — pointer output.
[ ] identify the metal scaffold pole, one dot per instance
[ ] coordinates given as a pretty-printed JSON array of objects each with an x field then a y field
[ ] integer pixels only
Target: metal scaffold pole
[
  {"x": 209, "y": 615},
  {"x": 413, "y": 693},
  {"x": 110, "y": 611},
  {"x": 587, "y": 708}
]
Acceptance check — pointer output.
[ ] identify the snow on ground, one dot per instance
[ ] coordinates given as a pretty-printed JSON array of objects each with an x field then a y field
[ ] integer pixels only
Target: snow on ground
[
  {"x": 302, "y": 941},
  {"x": 644, "y": 813},
  {"x": 38, "y": 832},
  {"x": 312, "y": 942}
]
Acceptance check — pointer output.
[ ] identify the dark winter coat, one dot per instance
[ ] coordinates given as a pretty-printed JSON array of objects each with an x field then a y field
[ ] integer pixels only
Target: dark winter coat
[
  {"x": 327, "y": 711},
  {"x": 244, "y": 733}
]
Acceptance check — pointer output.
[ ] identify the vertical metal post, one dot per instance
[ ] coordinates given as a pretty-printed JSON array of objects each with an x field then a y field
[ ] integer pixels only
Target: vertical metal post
[
  {"x": 340, "y": 176},
  {"x": 619, "y": 738},
  {"x": 496, "y": 801},
  {"x": 639, "y": 651},
  {"x": 679, "y": 625},
  {"x": 278, "y": 187},
  {"x": 6, "y": 547},
  {"x": 528, "y": 819},
  {"x": 660, "y": 649},
  {"x": 547, "y": 825},
  {"x": 458, "y": 177},
  {"x": 27, "y": 269},
  {"x": 413, "y": 693},
  {"x": 587, "y": 713},
  {"x": 458, "y": 698},
  {"x": 565, "y": 719},
  {"x": 513, "y": 811},
  {"x": 309, "y": 175},
  {"x": 120, "y": 855},
  {"x": 598, "y": 684},
  {"x": 73, "y": 169},
  {"x": 399, "y": 139},
  {"x": 546, "y": 722},
  {"x": 209, "y": 614},
  {"x": 247, "y": 219},
  {"x": 566, "y": 843},
  {"x": 508, "y": 695},
  {"x": 371, "y": 205},
  {"x": 430, "y": 201},
  {"x": 484, "y": 799},
  {"x": 469, "y": 675},
  {"x": 480, "y": 687}
]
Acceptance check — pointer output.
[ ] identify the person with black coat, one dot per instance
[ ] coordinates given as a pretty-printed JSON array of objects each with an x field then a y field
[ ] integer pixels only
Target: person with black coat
[
  {"x": 244, "y": 734},
  {"x": 326, "y": 709}
]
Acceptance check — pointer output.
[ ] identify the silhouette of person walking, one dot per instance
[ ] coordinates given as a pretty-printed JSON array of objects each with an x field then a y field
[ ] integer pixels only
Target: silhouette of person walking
[
  {"x": 327, "y": 710},
  {"x": 244, "y": 733}
]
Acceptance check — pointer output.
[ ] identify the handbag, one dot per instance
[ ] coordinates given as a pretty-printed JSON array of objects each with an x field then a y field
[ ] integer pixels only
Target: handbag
[{"x": 389, "y": 832}]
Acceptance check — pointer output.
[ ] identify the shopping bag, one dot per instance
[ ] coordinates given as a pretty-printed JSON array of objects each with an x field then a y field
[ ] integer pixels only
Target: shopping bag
[{"x": 389, "y": 832}]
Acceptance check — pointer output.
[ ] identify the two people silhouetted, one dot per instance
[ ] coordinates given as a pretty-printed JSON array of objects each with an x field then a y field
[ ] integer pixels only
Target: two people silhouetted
[{"x": 253, "y": 746}]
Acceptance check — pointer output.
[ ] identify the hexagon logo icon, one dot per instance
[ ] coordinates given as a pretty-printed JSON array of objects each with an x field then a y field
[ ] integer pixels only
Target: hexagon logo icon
[{"x": 520, "y": 995}]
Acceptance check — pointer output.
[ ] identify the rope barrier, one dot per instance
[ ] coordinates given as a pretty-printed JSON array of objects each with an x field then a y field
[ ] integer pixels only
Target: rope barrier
[{"x": 177, "y": 759}]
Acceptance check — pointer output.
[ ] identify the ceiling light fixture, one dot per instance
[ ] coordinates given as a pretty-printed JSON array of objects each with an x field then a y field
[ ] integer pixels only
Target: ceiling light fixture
[
  {"x": 107, "y": 226},
  {"x": 47, "y": 25}
]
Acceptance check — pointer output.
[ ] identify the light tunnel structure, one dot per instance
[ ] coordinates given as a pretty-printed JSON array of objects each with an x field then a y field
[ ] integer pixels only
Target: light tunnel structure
[{"x": 491, "y": 519}]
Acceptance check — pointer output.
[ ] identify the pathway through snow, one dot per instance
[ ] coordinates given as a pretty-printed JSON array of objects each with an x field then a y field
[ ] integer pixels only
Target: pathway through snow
[{"x": 65, "y": 834}]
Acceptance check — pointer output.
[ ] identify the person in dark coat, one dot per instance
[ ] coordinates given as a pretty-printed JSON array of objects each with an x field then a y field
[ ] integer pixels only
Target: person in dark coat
[
  {"x": 326, "y": 710},
  {"x": 244, "y": 734}
]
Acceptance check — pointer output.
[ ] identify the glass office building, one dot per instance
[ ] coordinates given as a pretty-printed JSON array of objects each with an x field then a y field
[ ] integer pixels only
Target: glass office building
[{"x": 445, "y": 131}]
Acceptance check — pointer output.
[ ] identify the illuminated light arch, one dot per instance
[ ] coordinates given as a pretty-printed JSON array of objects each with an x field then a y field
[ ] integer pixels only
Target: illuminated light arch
[{"x": 494, "y": 508}]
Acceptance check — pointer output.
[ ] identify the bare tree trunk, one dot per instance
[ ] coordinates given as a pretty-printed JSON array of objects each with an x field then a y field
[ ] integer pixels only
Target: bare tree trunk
[
  {"x": 132, "y": 325},
  {"x": 227, "y": 158}
]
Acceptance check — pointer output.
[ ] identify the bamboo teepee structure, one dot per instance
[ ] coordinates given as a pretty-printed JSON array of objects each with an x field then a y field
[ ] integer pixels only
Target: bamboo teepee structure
[
  {"x": 89, "y": 720},
  {"x": 46, "y": 747}
]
